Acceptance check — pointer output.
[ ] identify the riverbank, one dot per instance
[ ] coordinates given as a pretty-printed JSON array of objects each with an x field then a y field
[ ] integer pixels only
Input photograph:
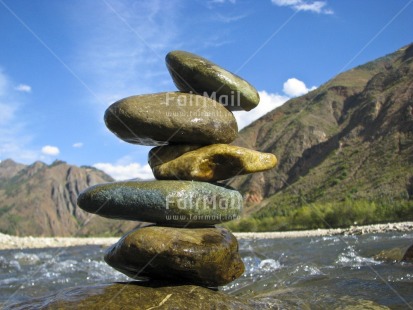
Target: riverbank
[{"x": 14, "y": 242}]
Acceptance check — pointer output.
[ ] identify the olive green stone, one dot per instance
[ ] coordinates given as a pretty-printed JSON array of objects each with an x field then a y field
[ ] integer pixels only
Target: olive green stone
[
  {"x": 396, "y": 255},
  {"x": 390, "y": 255},
  {"x": 408, "y": 256},
  {"x": 204, "y": 256},
  {"x": 171, "y": 117},
  {"x": 137, "y": 296},
  {"x": 170, "y": 203},
  {"x": 209, "y": 163},
  {"x": 192, "y": 73}
]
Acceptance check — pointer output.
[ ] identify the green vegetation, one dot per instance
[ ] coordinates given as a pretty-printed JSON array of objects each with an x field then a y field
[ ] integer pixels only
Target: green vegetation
[
  {"x": 326, "y": 215},
  {"x": 345, "y": 153},
  {"x": 57, "y": 162},
  {"x": 10, "y": 188},
  {"x": 5, "y": 209},
  {"x": 12, "y": 226}
]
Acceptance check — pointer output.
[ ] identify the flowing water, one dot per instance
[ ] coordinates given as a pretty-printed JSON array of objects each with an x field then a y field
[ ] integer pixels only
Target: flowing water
[{"x": 334, "y": 272}]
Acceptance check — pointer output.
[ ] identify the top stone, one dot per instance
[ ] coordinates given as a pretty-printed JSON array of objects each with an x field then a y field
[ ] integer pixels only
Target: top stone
[{"x": 192, "y": 73}]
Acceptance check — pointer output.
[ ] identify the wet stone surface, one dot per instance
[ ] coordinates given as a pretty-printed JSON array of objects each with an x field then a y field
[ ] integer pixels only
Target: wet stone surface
[
  {"x": 192, "y": 73},
  {"x": 203, "y": 256},
  {"x": 169, "y": 203},
  {"x": 171, "y": 117},
  {"x": 209, "y": 163},
  {"x": 136, "y": 295}
]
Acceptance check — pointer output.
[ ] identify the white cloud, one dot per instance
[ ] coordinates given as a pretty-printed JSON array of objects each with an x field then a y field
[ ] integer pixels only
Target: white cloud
[
  {"x": 8, "y": 105},
  {"x": 13, "y": 134},
  {"x": 305, "y": 5},
  {"x": 125, "y": 55},
  {"x": 229, "y": 18},
  {"x": 294, "y": 88},
  {"x": 7, "y": 113},
  {"x": 15, "y": 141},
  {"x": 15, "y": 147},
  {"x": 23, "y": 88},
  {"x": 4, "y": 83},
  {"x": 77, "y": 144},
  {"x": 268, "y": 102},
  {"x": 50, "y": 150},
  {"x": 126, "y": 171}
]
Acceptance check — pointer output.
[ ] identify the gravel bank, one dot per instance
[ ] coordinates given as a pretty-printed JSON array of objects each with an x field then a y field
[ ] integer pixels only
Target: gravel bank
[
  {"x": 13, "y": 242},
  {"x": 353, "y": 230}
]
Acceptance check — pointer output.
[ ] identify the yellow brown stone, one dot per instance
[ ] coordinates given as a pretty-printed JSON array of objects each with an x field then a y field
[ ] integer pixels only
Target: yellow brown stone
[{"x": 209, "y": 163}]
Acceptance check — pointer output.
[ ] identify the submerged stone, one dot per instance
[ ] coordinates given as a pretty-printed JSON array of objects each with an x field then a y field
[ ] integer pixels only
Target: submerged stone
[
  {"x": 170, "y": 203},
  {"x": 408, "y": 255},
  {"x": 192, "y": 73},
  {"x": 137, "y": 295},
  {"x": 390, "y": 255},
  {"x": 209, "y": 163},
  {"x": 171, "y": 117},
  {"x": 204, "y": 256}
]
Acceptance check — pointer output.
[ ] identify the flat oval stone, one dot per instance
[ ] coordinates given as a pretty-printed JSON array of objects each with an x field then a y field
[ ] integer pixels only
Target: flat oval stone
[
  {"x": 171, "y": 117},
  {"x": 209, "y": 163},
  {"x": 170, "y": 203},
  {"x": 192, "y": 73},
  {"x": 203, "y": 256}
]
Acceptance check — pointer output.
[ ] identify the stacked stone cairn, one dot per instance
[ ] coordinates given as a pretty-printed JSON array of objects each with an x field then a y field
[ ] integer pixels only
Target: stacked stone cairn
[{"x": 191, "y": 130}]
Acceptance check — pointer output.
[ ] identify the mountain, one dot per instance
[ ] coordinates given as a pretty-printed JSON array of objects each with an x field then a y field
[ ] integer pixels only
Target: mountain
[
  {"x": 345, "y": 154},
  {"x": 349, "y": 140},
  {"x": 40, "y": 200}
]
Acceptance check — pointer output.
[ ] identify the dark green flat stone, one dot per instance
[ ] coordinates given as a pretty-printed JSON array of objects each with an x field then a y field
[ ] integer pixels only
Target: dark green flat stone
[{"x": 170, "y": 203}]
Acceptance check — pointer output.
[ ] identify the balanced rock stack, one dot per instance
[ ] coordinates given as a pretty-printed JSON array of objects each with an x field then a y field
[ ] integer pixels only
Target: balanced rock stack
[{"x": 191, "y": 130}]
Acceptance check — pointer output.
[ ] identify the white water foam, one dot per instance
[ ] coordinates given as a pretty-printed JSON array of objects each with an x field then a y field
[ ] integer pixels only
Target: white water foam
[{"x": 350, "y": 258}]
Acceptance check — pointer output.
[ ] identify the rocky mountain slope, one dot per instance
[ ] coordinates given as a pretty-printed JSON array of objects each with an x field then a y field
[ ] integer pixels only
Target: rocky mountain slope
[
  {"x": 40, "y": 200},
  {"x": 352, "y": 138},
  {"x": 349, "y": 140}
]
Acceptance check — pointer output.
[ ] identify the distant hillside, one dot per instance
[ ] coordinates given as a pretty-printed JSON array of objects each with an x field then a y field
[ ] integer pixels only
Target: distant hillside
[
  {"x": 345, "y": 155},
  {"x": 40, "y": 200},
  {"x": 350, "y": 140}
]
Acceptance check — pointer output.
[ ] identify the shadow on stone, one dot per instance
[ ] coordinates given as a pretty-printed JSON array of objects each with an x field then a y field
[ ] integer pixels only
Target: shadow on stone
[{"x": 408, "y": 256}]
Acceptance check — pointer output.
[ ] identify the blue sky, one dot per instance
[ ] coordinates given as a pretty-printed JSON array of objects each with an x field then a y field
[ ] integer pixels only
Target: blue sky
[{"x": 62, "y": 63}]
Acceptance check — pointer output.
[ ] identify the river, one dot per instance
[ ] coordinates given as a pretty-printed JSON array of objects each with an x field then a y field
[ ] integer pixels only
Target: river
[{"x": 330, "y": 272}]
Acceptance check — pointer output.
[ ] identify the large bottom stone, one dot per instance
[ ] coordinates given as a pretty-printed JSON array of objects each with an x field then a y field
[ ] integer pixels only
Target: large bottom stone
[
  {"x": 204, "y": 256},
  {"x": 136, "y": 295}
]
